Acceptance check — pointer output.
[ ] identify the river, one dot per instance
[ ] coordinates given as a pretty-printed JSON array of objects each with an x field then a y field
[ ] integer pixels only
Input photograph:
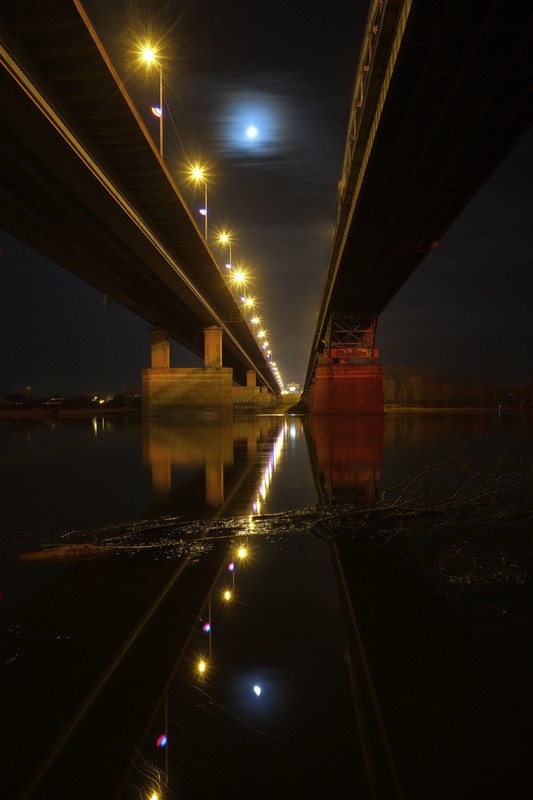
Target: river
[{"x": 102, "y": 691}]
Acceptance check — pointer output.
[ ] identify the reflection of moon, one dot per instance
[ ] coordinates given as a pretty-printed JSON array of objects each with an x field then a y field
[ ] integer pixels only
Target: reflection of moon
[{"x": 251, "y": 132}]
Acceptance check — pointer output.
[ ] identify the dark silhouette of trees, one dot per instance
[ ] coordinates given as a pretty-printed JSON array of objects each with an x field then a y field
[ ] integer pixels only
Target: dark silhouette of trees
[{"x": 423, "y": 387}]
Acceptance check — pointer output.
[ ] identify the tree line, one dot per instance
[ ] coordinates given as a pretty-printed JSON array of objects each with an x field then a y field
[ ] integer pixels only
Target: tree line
[{"x": 422, "y": 386}]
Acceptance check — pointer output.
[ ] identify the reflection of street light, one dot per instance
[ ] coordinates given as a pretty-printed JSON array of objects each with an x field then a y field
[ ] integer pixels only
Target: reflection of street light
[
  {"x": 148, "y": 55},
  {"x": 198, "y": 175}
]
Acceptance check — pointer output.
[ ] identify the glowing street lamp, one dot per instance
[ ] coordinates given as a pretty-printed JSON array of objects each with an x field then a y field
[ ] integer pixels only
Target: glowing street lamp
[
  {"x": 198, "y": 175},
  {"x": 226, "y": 240},
  {"x": 149, "y": 56},
  {"x": 239, "y": 277}
]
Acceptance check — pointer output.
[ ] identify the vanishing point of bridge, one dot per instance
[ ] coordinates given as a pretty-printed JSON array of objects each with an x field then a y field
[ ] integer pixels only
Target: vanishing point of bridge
[{"x": 442, "y": 93}]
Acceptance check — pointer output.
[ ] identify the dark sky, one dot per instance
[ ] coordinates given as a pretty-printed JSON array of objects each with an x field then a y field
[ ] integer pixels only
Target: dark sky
[{"x": 289, "y": 68}]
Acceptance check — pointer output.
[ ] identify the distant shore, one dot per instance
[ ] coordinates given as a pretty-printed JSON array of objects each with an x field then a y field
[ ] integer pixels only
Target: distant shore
[
  {"x": 283, "y": 408},
  {"x": 449, "y": 410},
  {"x": 49, "y": 413}
]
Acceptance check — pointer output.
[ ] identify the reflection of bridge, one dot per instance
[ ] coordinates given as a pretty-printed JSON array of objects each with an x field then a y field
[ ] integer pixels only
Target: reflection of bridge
[
  {"x": 347, "y": 452},
  {"x": 232, "y": 463},
  {"x": 233, "y": 455},
  {"x": 83, "y": 184},
  {"x": 442, "y": 93}
]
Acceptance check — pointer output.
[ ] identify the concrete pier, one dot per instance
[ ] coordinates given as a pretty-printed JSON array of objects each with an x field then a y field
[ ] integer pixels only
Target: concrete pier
[
  {"x": 188, "y": 392},
  {"x": 198, "y": 392}
]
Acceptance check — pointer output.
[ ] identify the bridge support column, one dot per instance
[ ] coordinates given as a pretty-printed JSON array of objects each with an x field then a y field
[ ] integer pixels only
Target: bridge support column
[
  {"x": 347, "y": 379},
  {"x": 188, "y": 392},
  {"x": 347, "y": 389},
  {"x": 213, "y": 346},
  {"x": 251, "y": 377},
  {"x": 160, "y": 349}
]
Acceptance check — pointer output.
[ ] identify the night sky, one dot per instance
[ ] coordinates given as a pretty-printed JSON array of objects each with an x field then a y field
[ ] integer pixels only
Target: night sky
[{"x": 288, "y": 68}]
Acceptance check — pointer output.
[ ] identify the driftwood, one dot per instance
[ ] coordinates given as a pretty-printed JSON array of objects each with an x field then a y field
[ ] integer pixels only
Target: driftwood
[
  {"x": 451, "y": 495},
  {"x": 68, "y": 552}
]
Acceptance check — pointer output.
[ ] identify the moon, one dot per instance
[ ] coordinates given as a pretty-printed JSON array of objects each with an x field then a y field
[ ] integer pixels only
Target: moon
[{"x": 253, "y": 123}]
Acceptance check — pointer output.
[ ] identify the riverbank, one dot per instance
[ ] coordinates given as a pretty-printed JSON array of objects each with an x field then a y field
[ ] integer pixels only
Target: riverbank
[
  {"x": 48, "y": 413},
  {"x": 282, "y": 408},
  {"x": 449, "y": 409}
]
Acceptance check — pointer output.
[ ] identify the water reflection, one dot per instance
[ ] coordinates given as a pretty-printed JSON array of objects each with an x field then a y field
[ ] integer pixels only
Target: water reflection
[
  {"x": 117, "y": 642},
  {"x": 348, "y": 453},
  {"x": 243, "y": 696},
  {"x": 229, "y": 453},
  {"x": 167, "y": 445}
]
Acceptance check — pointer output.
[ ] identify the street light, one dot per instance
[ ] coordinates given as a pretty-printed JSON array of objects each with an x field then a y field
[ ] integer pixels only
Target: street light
[
  {"x": 149, "y": 56},
  {"x": 225, "y": 239},
  {"x": 198, "y": 175},
  {"x": 239, "y": 277}
]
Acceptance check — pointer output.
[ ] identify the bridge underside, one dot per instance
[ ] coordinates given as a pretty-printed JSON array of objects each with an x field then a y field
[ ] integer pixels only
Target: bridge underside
[
  {"x": 442, "y": 95},
  {"x": 84, "y": 185}
]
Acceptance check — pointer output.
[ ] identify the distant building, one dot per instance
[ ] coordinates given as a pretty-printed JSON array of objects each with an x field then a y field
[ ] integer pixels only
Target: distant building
[{"x": 293, "y": 387}]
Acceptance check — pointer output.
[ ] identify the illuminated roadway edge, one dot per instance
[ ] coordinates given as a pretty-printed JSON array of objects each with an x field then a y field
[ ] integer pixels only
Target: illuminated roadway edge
[
  {"x": 84, "y": 185},
  {"x": 442, "y": 94}
]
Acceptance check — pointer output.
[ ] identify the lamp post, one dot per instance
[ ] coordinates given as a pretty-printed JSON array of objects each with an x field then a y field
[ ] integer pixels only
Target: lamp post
[
  {"x": 205, "y": 209},
  {"x": 225, "y": 239},
  {"x": 198, "y": 174},
  {"x": 149, "y": 57}
]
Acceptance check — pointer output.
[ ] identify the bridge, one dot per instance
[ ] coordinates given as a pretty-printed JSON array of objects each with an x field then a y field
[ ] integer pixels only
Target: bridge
[
  {"x": 84, "y": 185},
  {"x": 443, "y": 92}
]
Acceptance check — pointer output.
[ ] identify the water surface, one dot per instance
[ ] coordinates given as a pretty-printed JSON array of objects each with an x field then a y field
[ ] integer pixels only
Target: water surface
[{"x": 102, "y": 655}]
